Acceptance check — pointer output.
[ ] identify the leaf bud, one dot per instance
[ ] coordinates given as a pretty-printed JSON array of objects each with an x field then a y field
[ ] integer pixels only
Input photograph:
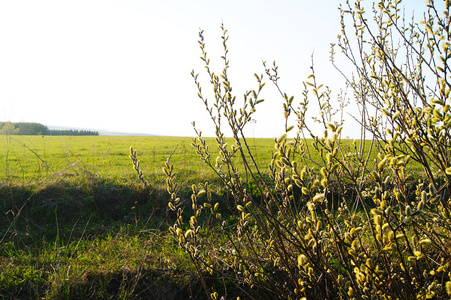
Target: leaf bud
[
  {"x": 424, "y": 196},
  {"x": 303, "y": 174},
  {"x": 391, "y": 235},
  {"x": 179, "y": 231},
  {"x": 302, "y": 260},
  {"x": 201, "y": 193},
  {"x": 377, "y": 219},
  {"x": 331, "y": 126},
  {"x": 298, "y": 182},
  {"x": 319, "y": 198},
  {"x": 448, "y": 170},
  {"x": 189, "y": 233},
  {"x": 388, "y": 210},
  {"x": 334, "y": 167},
  {"x": 425, "y": 241},
  {"x": 310, "y": 271},
  {"x": 329, "y": 143},
  {"x": 311, "y": 206},
  {"x": 448, "y": 283},
  {"x": 286, "y": 161},
  {"x": 375, "y": 211},
  {"x": 281, "y": 138},
  {"x": 329, "y": 157},
  {"x": 376, "y": 176},
  {"x": 408, "y": 210},
  {"x": 315, "y": 183},
  {"x": 323, "y": 172},
  {"x": 420, "y": 205},
  {"x": 399, "y": 236},
  {"x": 417, "y": 253},
  {"x": 369, "y": 263},
  {"x": 382, "y": 164},
  {"x": 300, "y": 224}
]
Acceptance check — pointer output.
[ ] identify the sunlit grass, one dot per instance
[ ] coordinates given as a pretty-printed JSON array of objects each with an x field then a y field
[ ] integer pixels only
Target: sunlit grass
[
  {"x": 30, "y": 159},
  {"x": 77, "y": 222},
  {"x": 121, "y": 264}
]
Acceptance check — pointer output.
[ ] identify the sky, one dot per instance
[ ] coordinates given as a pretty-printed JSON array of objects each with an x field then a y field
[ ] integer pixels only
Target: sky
[{"x": 124, "y": 65}]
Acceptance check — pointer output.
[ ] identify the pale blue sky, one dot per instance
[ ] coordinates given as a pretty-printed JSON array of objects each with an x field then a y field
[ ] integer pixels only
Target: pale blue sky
[{"x": 124, "y": 65}]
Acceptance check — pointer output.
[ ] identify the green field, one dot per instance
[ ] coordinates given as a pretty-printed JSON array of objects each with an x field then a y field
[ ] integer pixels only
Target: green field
[
  {"x": 77, "y": 223},
  {"x": 30, "y": 159}
]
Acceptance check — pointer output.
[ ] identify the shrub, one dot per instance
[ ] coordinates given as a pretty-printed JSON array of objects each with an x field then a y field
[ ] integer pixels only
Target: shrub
[{"x": 337, "y": 224}]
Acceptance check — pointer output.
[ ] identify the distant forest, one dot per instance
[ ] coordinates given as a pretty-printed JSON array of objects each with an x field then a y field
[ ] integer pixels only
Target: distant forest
[{"x": 25, "y": 128}]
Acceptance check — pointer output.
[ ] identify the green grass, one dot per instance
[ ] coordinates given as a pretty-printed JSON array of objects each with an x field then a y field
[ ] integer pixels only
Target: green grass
[
  {"x": 127, "y": 263},
  {"x": 76, "y": 222},
  {"x": 29, "y": 159}
]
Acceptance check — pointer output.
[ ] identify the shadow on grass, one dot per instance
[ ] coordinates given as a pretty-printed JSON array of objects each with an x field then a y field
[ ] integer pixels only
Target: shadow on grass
[
  {"x": 138, "y": 284},
  {"x": 67, "y": 210}
]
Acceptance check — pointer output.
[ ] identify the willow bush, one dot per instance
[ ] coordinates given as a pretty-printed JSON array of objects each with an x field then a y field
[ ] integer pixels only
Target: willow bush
[{"x": 343, "y": 225}]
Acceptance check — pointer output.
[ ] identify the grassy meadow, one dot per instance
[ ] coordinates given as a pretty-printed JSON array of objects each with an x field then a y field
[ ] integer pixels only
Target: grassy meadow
[
  {"x": 31, "y": 159},
  {"x": 77, "y": 223}
]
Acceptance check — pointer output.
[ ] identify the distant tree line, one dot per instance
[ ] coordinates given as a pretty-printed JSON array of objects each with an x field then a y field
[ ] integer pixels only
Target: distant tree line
[
  {"x": 71, "y": 132},
  {"x": 27, "y": 128}
]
